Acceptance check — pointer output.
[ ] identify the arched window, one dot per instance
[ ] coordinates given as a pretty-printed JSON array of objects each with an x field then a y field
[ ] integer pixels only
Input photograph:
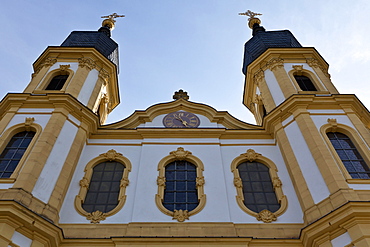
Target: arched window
[
  {"x": 180, "y": 185},
  {"x": 102, "y": 189},
  {"x": 305, "y": 83},
  {"x": 13, "y": 152},
  {"x": 180, "y": 189},
  {"x": 348, "y": 153},
  {"x": 57, "y": 82},
  {"x": 257, "y": 187}
]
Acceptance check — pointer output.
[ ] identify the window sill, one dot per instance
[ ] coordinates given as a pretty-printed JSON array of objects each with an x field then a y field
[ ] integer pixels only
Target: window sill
[
  {"x": 358, "y": 181},
  {"x": 7, "y": 180}
]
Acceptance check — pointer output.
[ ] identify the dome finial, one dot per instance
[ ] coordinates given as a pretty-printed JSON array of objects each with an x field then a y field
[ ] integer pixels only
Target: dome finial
[
  {"x": 109, "y": 22},
  {"x": 252, "y": 20}
]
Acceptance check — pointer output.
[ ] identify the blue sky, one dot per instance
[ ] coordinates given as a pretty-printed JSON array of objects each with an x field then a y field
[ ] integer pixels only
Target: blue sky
[{"x": 195, "y": 45}]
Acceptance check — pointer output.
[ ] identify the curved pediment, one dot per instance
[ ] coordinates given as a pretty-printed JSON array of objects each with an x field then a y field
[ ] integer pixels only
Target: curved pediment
[{"x": 153, "y": 116}]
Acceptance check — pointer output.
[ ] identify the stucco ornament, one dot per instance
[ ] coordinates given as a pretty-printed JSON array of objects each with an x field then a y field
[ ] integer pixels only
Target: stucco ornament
[
  {"x": 86, "y": 62},
  {"x": 266, "y": 216},
  {"x": 28, "y": 122},
  {"x": 333, "y": 123},
  {"x": 276, "y": 182},
  {"x": 111, "y": 155},
  {"x": 251, "y": 155},
  {"x": 180, "y": 215},
  {"x": 275, "y": 63},
  {"x": 84, "y": 182},
  {"x": 238, "y": 182},
  {"x": 180, "y": 153},
  {"x": 161, "y": 181},
  {"x": 96, "y": 217},
  {"x": 124, "y": 182},
  {"x": 200, "y": 181}
]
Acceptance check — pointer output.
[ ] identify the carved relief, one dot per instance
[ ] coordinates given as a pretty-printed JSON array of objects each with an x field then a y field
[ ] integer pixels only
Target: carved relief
[
  {"x": 180, "y": 215},
  {"x": 333, "y": 123},
  {"x": 96, "y": 217},
  {"x": 47, "y": 62},
  {"x": 238, "y": 182},
  {"x": 200, "y": 181},
  {"x": 161, "y": 181},
  {"x": 298, "y": 69},
  {"x": 276, "y": 182},
  {"x": 180, "y": 153},
  {"x": 251, "y": 155},
  {"x": 275, "y": 63},
  {"x": 111, "y": 155},
  {"x": 28, "y": 122},
  {"x": 84, "y": 182},
  {"x": 64, "y": 67},
  {"x": 314, "y": 63},
  {"x": 104, "y": 75},
  {"x": 259, "y": 76},
  {"x": 266, "y": 216},
  {"x": 86, "y": 62}
]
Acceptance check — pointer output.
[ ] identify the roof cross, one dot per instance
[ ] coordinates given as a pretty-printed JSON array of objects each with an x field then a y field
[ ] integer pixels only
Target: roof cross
[
  {"x": 250, "y": 14},
  {"x": 112, "y": 16}
]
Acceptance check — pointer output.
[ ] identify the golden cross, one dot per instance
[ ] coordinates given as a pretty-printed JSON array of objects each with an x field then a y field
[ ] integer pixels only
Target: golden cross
[
  {"x": 250, "y": 14},
  {"x": 112, "y": 16}
]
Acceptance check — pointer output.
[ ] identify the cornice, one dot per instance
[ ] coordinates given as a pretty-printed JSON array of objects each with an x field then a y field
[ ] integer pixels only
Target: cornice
[
  {"x": 52, "y": 101},
  {"x": 220, "y": 117},
  {"x": 303, "y": 102}
]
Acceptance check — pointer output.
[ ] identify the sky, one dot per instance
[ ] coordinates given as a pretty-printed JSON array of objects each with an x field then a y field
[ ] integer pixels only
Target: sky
[{"x": 194, "y": 45}]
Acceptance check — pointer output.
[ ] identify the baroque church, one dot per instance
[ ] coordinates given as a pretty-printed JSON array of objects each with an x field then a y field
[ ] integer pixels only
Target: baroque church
[{"x": 181, "y": 173}]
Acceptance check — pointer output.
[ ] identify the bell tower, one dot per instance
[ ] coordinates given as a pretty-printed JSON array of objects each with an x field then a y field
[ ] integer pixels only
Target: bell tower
[
  {"x": 85, "y": 66},
  {"x": 276, "y": 66}
]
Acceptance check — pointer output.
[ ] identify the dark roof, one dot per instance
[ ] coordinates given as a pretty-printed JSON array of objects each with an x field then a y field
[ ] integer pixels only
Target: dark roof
[
  {"x": 262, "y": 40},
  {"x": 95, "y": 39}
]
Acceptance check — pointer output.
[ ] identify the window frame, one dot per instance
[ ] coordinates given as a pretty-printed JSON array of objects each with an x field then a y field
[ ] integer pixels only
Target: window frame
[
  {"x": 7, "y": 135},
  {"x": 299, "y": 71},
  {"x": 62, "y": 70},
  {"x": 265, "y": 215},
  {"x": 358, "y": 142},
  {"x": 97, "y": 216},
  {"x": 179, "y": 155}
]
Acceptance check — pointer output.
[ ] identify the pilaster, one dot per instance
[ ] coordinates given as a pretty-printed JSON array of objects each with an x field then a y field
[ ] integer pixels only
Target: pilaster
[
  {"x": 267, "y": 99},
  {"x": 276, "y": 65},
  {"x": 40, "y": 153},
  {"x": 85, "y": 65},
  {"x": 65, "y": 177},
  {"x": 299, "y": 183},
  {"x": 323, "y": 74},
  {"x": 323, "y": 158}
]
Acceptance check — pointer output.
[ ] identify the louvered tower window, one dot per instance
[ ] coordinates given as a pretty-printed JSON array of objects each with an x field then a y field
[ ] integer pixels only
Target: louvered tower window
[
  {"x": 13, "y": 152},
  {"x": 349, "y": 155},
  {"x": 305, "y": 83},
  {"x": 57, "y": 82}
]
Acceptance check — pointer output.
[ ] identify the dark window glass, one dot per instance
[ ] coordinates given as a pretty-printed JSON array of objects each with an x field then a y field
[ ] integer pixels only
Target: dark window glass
[
  {"x": 258, "y": 191},
  {"x": 349, "y": 155},
  {"x": 104, "y": 187},
  {"x": 13, "y": 152},
  {"x": 57, "y": 82},
  {"x": 180, "y": 191},
  {"x": 305, "y": 83}
]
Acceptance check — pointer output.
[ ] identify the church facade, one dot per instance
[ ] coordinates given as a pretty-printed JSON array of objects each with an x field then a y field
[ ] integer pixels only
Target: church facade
[{"x": 182, "y": 173}]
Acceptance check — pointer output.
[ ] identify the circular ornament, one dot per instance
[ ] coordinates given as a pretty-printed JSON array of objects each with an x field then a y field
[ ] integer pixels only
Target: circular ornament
[{"x": 181, "y": 119}]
